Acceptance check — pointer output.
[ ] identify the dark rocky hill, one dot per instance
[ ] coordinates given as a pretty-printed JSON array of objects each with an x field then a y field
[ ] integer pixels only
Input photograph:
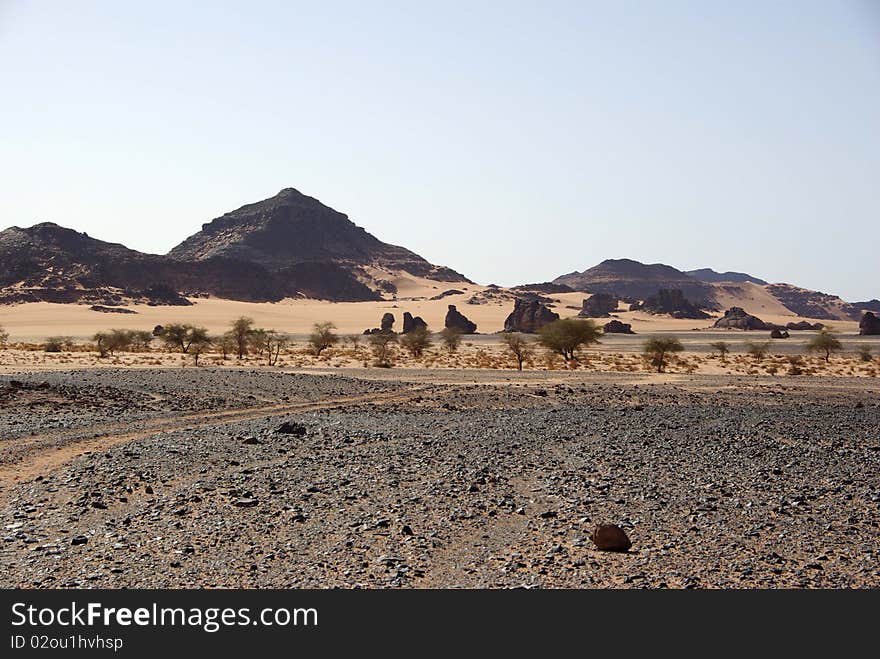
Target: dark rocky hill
[
  {"x": 710, "y": 276},
  {"x": 626, "y": 278}
]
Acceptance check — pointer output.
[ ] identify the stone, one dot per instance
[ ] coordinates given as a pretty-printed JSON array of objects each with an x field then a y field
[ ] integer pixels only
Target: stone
[
  {"x": 737, "y": 318},
  {"x": 599, "y": 305},
  {"x": 387, "y": 323},
  {"x": 245, "y": 503},
  {"x": 869, "y": 325},
  {"x": 79, "y": 540},
  {"x": 617, "y": 327},
  {"x": 457, "y": 320},
  {"x": 291, "y": 428},
  {"x": 610, "y": 537},
  {"x": 412, "y": 324},
  {"x": 252, "y": 441},
  {"x": 777, "y": 333},
  {"x": 528, "y": 316}
]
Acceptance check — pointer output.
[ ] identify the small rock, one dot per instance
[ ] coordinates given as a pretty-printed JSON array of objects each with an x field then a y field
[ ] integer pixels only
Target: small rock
[{"x": 610, "y": 537}]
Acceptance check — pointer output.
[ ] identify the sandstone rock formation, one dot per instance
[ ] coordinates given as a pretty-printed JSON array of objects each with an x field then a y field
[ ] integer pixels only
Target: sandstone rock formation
[
  {"x": 599, "y": 305},
  {"x": 672, "y": 302},
  {"x": 617, "y": 327},
  {"x": 804, "y": 325},
  {"x": 869, "y": 325},
  {"x": 528, "y": 316},
  {"x": 737, "y": 318},
  {"x": 456, "y": 320},
  {"x": 412, "y": 324}
]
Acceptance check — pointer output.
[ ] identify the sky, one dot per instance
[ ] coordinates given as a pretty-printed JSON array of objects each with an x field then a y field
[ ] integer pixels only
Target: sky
[{"x": 512, "y": 141}]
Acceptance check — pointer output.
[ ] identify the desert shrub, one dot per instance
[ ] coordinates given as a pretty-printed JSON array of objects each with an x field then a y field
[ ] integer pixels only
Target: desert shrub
[
  {"x": 451, "y": 338},
  {"x": 722, "y": 348},
  {"x": 58, "y": 344},
  {"x": 382, "y": 345},
  {"x": 825, "y": 342},
  {"x": 568, "y": 335},
  {"x": 519, "y": 346},
  {"x": 658, "y": 349},
  {"x": 4, "y": 337},
  {"x": 795, "y": 365},
  {"x": 864, "y": 353},
  {"x": 757, "y": 349},
  {"x": 322, "y": 337},
  {"x": 354, "y": 341},
  {"x": 417, "y": 341},
  {"x": 225, "y": 344}
]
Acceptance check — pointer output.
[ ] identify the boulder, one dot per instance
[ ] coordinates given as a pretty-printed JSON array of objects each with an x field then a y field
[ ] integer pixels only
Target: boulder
[
  {"x": 617, "y": 327},
  {"x": 457, "y": 320},
  {"x": 528, "y": 316},
  {"x": 869, "y": 325},
  {"x": 737, "y": 318},
  {"x": 610, "y": 537},
  {"x": 411, "y": 324},
  {"x": 778, "y": 333},
  {"x": 804, "y": 325},
  {"x": 599, "y": 305},
  {"x": 387, "y": 323}
]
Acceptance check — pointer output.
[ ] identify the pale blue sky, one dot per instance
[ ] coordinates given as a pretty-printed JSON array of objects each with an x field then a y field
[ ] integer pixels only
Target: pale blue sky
[{"x": 513, "y": 141}]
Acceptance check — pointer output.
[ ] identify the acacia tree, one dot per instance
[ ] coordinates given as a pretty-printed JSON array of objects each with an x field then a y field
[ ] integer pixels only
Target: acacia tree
[
  {"x": 274, "y": 344},
  {"x": 241, "y": 331},
  {"x": 520, "y": 347},
  {"x": 825, "y": 341},
  {"x": 225, "y": 344},
  {"x": 658, "y": 350},
  {"x": 322, "y": 337},
  {"x": 382, "y": 345},
  {"x": 257, "y": 341},
  {"x": 417, "y": 341},
  {"x": 721, "y": 348},
  {"x": 451, "y": 337},
  {"x": 199, "y": 343},
  {"x": 568, "y": 335},
  {"x": 108, "y": 343},
  {"x": 182, "y": 337}
]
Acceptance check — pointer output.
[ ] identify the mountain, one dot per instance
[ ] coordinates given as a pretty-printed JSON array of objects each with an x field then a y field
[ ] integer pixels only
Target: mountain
[
  {"x": 291, "y": 229},
  {"x": 287, "y": 246},
  {"x": 637, "y": 281},
  {"x": 710, "y": 276}
]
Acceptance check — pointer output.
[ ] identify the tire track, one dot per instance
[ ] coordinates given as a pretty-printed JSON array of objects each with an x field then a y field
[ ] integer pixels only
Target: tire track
[{"x": 35, "y": 455}]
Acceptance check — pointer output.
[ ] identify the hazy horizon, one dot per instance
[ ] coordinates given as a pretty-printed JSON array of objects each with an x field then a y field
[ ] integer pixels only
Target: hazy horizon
[{"x": 511, "y": 142}]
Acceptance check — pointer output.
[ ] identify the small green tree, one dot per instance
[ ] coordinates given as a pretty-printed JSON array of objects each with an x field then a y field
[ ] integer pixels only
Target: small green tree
[
  {"x": 226, "y": 344},
  {"x": 241, "y": 331},
  {"x": 354, "y": 340},
  {"x": 658, "y": 349},
  {"x": 142, "y": 339},
  {"x": 568, "y": 335},
  {"x": 275, "y": 343},
  {"x": 417, "y": 341},
  {"x": 519, "y": 346},
  {"x": 116, "y": 340},
  {"x": 322, "y": 337},
  {"x": 382, "y": 345},
  {"x": 451, "y": 338},
  {"x": 825, "y": 341},
  {"x": 199, "y": 342},
  {"x": 257, "y": 340},
  {"x": 722, "y": 348},
  {"x": 864, "y": 352},
  {"x": 182, "y": 337},
  {"x": 56, "y": 343},
  {"x": 757, "y": 349}
]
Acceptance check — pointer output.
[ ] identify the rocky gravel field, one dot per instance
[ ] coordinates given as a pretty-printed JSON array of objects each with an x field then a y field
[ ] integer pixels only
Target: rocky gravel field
[{"x": 123, "y": 478}]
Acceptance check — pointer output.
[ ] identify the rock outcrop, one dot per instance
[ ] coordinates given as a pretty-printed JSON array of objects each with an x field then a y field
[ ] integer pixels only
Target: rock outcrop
[
  {"x": 457, "y": 320},
  {"x": 869, "y": 325},
  {"x": 672, "y": 302},
  {"x": 777, "y": 333},
  {"x": 528, "y": 316},
  {"x": 804, "y": 325},
  {"x": 617, "y": 327},
  {"x": 737, "y": 318},
  {"x": 412, "y": 323},
  {"x": 598, "y": 305}
]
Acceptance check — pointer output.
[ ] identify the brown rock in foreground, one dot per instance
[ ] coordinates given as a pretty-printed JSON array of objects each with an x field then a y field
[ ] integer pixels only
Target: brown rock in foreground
[{"x": 610, "y": 537}]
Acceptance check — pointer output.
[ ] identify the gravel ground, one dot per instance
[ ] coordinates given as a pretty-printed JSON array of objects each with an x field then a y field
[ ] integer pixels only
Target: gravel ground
[{"x": 452, "y": 479}]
